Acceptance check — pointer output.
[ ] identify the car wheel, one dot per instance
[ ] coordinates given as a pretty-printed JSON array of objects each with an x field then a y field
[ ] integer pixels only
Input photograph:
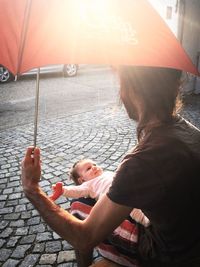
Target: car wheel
[
  {"x": 70, "y": 70},
  {"x": 5, "y": 75}
]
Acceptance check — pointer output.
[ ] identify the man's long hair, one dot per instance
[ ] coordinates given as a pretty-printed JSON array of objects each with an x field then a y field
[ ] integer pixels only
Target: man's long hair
[{"x": 157, "y": 91}]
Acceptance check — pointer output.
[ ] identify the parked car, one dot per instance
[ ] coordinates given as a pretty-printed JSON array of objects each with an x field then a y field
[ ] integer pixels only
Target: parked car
[
  {"x": 68, "y": 70},
  {"x": 5, "y": 75}
]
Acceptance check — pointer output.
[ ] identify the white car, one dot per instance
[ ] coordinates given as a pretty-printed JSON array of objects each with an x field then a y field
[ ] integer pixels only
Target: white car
[{"x": 68, "y": 70}]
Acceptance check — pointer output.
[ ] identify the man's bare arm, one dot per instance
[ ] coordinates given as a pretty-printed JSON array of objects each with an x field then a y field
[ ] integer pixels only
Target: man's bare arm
[{"x": 83, "y": 235}]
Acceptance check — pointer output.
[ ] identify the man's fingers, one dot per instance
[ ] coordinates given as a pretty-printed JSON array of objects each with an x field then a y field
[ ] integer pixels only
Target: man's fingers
[
  {"x": 32, "y": 156},
  {"x": 29, "y": 151},
  {"x": 36, "y": 156},
  {"x": 27, "y": 157}
]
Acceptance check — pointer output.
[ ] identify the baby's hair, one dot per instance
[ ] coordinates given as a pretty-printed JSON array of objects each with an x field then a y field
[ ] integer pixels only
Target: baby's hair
[{"x": 73, "y": 174}]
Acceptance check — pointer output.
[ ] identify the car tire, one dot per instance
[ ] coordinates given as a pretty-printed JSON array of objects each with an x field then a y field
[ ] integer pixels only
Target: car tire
[
  {"x": 70, "y": 70},
  {"x": 5, "y": 75}
]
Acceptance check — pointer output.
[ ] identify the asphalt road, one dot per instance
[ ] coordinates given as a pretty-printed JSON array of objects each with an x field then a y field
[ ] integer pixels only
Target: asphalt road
[{"x": 93, "y": 87}]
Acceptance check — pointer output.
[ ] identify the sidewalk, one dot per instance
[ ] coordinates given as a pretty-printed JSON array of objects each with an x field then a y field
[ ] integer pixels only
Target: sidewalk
[{"x": 104, "y": 135}]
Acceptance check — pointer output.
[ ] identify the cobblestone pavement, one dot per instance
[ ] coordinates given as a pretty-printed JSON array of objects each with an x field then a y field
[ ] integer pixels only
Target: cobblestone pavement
[{"x": 104, "y": 135}]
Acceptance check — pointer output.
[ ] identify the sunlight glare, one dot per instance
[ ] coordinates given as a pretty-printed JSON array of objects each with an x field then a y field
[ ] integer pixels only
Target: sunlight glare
[{"x": 99, "y": 20}]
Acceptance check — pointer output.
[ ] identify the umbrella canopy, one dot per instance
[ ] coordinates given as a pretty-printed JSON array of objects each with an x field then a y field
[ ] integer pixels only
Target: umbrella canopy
[{"x": 35, "y": 33}]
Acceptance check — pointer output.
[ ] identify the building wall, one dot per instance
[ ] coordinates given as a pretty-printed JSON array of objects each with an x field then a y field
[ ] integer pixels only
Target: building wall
[
  {"x": 189, "y": 35},
  {"x": 162, "y": 7},
  {"x": 185, "y": 23}
]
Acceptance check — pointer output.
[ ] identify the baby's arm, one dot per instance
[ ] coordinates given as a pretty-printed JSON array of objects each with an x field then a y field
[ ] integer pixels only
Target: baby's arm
[{"x": 76, "y": 191}]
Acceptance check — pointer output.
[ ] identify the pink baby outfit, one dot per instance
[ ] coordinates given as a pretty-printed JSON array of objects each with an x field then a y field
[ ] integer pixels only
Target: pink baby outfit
[{"x": 97, "y": 187}]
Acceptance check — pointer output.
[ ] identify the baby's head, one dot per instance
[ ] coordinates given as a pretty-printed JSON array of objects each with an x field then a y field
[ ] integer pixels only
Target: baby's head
[{"x": 84, "y": 170}]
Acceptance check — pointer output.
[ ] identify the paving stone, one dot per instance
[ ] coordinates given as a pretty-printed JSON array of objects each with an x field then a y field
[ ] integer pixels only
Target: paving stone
[
  {"x": 7, "y": 155},
  {"x": 10, "y": 263},
  {"x": 36, "y": 229},
  {"x": 20, "y": 251},
  {"x": 13, "y": 169},
  {"x": 48, "y": 259},
  {"x": 20, "y": 208},
  {"x": 12, "y": 216},
  {"x": 53, "y": 164},
  {"x": 57, "y": 173},
  {"x": 5, "y": 171},
  {"x": 33, "y": 221},
  {"x": 56, "y": 236},
  {"x": 44, "y": 183},
  {"x": 12, "y": 241},
  {"x": 39, "y": 247},
  {"x": 66, "y": 245},
  {"x": 2, "y": 242},
  {"x": 66, "y": 256},
  {"x": 30, "y": 260},
  {"x": 2, "y": 204},
  {"x": 18, "y": 190},
  {"x": 69, "y": 264},
  {"x": 48, "y": 176},
  {"x": 13, "y": 162},
  {"x": 6, "y": 166},
  {"x": 14, "y": 178},
  {"x": 12, "y": 203},
  {"x": 15, "y": 196},
  {"x": 2, "y": 186},
  {"x": 2, "y": 160},
  {"x": 13, "y": 184},
  {"x": 26, "y": 215},
  {"x": 29, "y": 239},
  {"x": 6, "y": 210},
  {"x": 29, "y": 206},
  {"x": 34, "y": 213},
  {"x": 23, "y": 201},
  {"x": 18, "y": 223},
  {"x": 7, "y": 191},
  {"x": 4, "y": 254},
  {"x": 53, "y": 246},
  {"x": 49, "y": 170},
  {"x": 22, "y": 231},
  {"x": 6, "y": 233},
  {"x": 46, "y": 236}
]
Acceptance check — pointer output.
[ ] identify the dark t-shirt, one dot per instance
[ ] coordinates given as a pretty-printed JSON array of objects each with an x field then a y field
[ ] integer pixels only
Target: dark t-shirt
[{"x": 161, "y": 176}]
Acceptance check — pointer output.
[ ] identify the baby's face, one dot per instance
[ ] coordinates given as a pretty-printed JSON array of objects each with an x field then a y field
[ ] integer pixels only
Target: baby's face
[{"x": 88, "y": 170}]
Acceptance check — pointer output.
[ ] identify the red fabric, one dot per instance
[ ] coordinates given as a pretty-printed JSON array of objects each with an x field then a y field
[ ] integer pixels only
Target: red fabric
[
  {"x": 128, "y": 227},
  {"x": 77, "y": 207},
  {"x": 124, "y": 238},
  {"x": 40, "y": 32}
]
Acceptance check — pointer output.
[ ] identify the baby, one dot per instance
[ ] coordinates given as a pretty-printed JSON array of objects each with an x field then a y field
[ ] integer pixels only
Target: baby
[{"x": 91, "y": 181}]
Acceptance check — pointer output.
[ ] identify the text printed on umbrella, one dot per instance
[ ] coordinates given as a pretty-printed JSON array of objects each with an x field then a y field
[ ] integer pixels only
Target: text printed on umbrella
[{"x": 120, "y": 31}]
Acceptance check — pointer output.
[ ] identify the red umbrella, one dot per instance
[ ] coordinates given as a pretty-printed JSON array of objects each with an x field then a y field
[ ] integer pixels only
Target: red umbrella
[
  {"x": 35, "y": 33},
  {"x": 39, "y": 32}
]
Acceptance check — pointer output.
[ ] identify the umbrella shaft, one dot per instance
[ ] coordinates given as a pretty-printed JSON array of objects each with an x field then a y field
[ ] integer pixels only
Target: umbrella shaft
[{"x": 36, "y": 106}]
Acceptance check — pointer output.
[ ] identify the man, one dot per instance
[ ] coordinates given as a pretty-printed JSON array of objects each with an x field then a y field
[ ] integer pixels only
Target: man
[{"x": 160, "y": 176}]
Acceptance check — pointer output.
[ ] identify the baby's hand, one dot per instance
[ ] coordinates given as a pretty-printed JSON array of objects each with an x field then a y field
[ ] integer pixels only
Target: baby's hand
[{"x": 57, "y": 191}]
